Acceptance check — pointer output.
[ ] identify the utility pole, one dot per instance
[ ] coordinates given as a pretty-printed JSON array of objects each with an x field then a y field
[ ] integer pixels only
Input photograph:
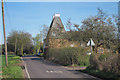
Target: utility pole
[
  {"x": 6, "y": 57},
  {"x": 119, "y": 27}
]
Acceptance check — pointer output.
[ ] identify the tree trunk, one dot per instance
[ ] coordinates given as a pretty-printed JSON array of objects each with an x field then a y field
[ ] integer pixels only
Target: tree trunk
[
  {"x": 73, "y": 62},
  {"x": 22, "y": 50},
  {"x": 15, "y": 45}
]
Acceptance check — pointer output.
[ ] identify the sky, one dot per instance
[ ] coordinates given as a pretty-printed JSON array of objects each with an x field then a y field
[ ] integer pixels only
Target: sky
[
  {"x": 30, "y": 16},
  {"x": 61, "y": 0}
]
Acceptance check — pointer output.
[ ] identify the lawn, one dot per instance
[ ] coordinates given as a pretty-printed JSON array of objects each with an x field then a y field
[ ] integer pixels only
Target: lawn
[{"x": 13, "y": 70}]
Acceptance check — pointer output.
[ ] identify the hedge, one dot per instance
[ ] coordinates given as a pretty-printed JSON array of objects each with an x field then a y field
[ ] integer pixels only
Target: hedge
[{"x": 68, "y": 56}]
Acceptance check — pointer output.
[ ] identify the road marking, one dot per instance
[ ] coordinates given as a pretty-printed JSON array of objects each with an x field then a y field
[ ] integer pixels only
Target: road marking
[
  {"x": 26, "y": 69},
  {"x": 48, "y": 71},
  {"x": 27, "y": 72},
  {"x": 51, "y": 71},
  {"x": 60, "y": 71}
]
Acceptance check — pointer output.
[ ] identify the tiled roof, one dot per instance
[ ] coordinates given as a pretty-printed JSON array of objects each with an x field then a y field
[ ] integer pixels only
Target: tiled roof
[{"x": 56, "y": 29}]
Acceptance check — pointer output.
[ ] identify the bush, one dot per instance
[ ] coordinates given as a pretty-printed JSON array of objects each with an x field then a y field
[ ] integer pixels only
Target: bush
[
  {"x": 68, "y": 56},
  {"x": 83, "y": 60},
  {"x": 108, "y": 62},
  {"x": 102, "y": 57}
]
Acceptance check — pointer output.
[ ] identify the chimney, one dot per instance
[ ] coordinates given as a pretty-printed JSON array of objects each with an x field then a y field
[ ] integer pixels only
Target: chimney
[{"x": 56, "y": 15}]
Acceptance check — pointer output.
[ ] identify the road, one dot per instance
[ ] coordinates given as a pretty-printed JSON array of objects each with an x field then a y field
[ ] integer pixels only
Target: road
[{"x": 40, "y": 68}]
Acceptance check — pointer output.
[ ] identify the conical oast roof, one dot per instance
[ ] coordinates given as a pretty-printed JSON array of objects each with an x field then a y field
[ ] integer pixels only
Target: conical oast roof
[{"x": 56, "y": 28}]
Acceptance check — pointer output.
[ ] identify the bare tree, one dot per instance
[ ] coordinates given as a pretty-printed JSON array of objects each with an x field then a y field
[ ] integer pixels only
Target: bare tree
[{"x": 43, "y": 31}]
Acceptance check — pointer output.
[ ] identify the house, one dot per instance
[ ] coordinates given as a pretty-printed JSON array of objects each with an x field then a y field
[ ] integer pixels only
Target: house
[
  {"x": 56, "y": 31},
  {"x": 56, "y": 35}
]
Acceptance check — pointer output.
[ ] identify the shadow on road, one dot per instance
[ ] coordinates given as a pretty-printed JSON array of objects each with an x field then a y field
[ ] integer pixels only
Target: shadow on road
[
  {"x": 29, "y": 56},
  {"x": 43, "y": 61},
  {"x": 51, "y": 67},
  {"x": 40, "y": 59},
  {"x": 36, "y": 59}
]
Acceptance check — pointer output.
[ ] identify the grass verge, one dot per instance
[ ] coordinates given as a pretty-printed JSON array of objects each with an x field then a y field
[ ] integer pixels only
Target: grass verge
[
  {"x": 13, "y": 70},
  {"x": 102, "y": 74},
  {"x": 0, "y": 66}
]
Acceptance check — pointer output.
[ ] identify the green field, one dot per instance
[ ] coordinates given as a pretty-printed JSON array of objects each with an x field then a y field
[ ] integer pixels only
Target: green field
[{"x": 13, "y": 70}]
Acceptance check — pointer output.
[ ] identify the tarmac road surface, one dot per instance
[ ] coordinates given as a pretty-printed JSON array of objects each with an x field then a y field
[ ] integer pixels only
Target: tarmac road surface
[{"x": 39, "y": 68}]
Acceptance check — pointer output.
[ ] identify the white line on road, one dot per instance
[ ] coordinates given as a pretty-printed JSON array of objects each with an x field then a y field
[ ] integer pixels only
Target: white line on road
[
  {"x": 54, "y": 71},
  {"x": 26, "y": 69},
  {"x": 27, "y": 72}
]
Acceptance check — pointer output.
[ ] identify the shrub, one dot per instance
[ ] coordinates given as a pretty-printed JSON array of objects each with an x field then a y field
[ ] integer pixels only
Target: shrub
[
  {"x": 83, "y": 60},
  {"x": 68, "y": 56},
  {"x": 107, "y": 62},
  {"x": 102, "y": 57}
]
